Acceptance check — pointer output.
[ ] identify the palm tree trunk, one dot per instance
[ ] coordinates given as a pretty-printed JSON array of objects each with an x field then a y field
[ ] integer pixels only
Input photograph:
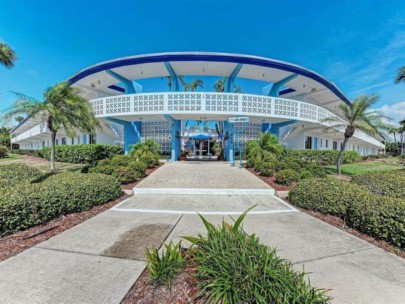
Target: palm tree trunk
[
  {"x": 339, "y": 158},
  {"x": 53, "y": 140},
  {"x": 402, "y": 143}
]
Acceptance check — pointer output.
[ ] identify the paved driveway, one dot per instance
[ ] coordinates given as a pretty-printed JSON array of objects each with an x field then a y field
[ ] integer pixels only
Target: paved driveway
[{"x": 99, "y": 260}]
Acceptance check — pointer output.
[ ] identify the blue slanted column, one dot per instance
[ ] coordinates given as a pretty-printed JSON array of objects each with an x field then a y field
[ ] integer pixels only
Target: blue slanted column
[
  {"x": 176, "y": 138},
  {"x": 274, "y": 89},
  {"x": 131, "y": 87},
  {"x": 275, "y": 128},
  {"x": 230, "y": 84},
  {"x": 132, "y": 132}
]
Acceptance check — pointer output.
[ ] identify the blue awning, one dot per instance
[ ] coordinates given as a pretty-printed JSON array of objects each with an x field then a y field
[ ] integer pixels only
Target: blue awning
[{"x": 200, "y": 137}]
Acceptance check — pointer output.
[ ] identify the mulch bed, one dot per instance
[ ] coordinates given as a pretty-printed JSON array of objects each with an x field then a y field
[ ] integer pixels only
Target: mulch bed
[
  {"x": 183, "y": 291},
  {"x": 271, "y": 181},
  {"x": 17, "y": 242}
]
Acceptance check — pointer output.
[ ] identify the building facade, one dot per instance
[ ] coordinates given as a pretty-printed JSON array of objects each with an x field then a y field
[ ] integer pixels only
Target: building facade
[{"x": 293, "y": 105}]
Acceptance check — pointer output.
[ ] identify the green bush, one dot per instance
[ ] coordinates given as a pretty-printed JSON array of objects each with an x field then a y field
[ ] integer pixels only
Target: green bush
[
  {"x": 376, "y": 215},
  {"x": 306, "y": 174},
  {"x": 139, "y": 167},
  {"x": 147, "y": 152},
  {"x": 267, "y": 169},
  {"x": 3, "y": 151},
  {"x": 316, "y": 170},
  {"x": 389, "y": 183},
  {"x": 234, "y": 267},
  {"x": 124, "y": 175},
  {"x": 30, "y": 152},
  {"x": 120, "y": 160},
  {"x": 150, "y": 160},
  {"x": 82, "y": 154},
  {"x": 286, "y": 177},
  {"x": 18, "y": 172},
  {"x": 322, "y": 157},
  {"x": 103, "y": 169},
  {"x": 163, "y": 268},
  {"x": 28, "y": 204}
]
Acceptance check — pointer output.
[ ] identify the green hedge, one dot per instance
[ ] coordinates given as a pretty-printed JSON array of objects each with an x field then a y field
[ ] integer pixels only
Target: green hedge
[
  {"x": 286, "y": 177},
  {"x": 28, "y": 204},
  {"x": 323, "y": 157},
  {"x": 18, "y": 172},
  {"x": 30, "y": 152},
  {"x": 390, "y": 183},
  {"x": 3, "y": 151},
  {"x": 82, "y": 154},
  {"x": 124, "y": 168},
  {"x": 379, "y": 216}
]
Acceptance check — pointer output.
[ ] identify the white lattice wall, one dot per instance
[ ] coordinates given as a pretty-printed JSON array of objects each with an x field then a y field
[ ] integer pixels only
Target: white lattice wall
[
  {"x": 158, "y": 131},
  {"x": 248, "y": 132}
]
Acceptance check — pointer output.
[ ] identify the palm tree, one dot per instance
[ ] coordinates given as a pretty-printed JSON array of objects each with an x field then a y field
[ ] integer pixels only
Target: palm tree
[
  {"x": 393, "y": 131},
  {"x": 194, "y": 85},
  {"x": 266, "y": 144},
  {"x": 19, "y": 118},
  {"x": 358, "y": 117},
  {"x": 401, "y": 131},
  {"x": 63, "y": 108},
  {"x": 401, "y": 75},
  {"x": 5, "y": 136},
  {"x": 219, "y": 85},
  {"x": 7, "y": 55}
]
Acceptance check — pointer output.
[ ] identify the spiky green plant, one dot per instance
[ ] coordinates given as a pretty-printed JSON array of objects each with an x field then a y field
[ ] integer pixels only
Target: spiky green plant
[
  {"x": 259, "y": 149},
  {"x": 400, "y": 75},
  {"x": 194, "y": 85},
  {"x": 233, "y": 267},
  {"x": 7, "y": 55},
  {"x": 163, "y": 268}
]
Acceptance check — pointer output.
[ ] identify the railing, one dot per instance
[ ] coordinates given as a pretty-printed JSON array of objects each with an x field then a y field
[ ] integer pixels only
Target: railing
[
  {"x": 38, "y": 129},
  {"x": 215, "y": 103}
]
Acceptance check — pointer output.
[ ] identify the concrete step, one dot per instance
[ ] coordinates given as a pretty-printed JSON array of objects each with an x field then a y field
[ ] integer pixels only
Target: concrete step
[{"x": 202, "y": 191}]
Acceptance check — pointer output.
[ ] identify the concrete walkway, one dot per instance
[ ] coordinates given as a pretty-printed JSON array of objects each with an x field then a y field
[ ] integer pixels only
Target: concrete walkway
[{"x": 99, "y": 260}]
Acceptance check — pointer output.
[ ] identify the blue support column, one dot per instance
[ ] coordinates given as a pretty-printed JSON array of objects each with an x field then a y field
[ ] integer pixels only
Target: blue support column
[
  {"x": 84, "y": 139},
  {"x": 275, "y": 128},
  {"x": 230, "y": 85},
  {"x": 176, "y": 138},
  {"x": 173, "y": 75},
  {"x": 131, "y": 87},
  {"x": 132, "y": 132},
  {"x": 274, "y": 89},
  {"x": 315, "y": 143},
  {"x": 229, "y": 151}
]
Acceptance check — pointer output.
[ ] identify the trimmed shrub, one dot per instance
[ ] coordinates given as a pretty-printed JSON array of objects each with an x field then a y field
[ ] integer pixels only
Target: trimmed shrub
[
  {"x": 286, "y": 177},
  {"x": 119, "y": 160},
  {"x": 103, "y": 169},
  {"x": 322, "y": 157},
  {"x": 82, "y": 154},
  {"x": 124, "y": 175},
  {"x": 28, "y": 204},
  {"x": 267, "y": 169},
  {"x": 390, "y": 183},
  {"x": 138, "y": 167},
  {"x": 151, "y": 160},
  {"x": 306, "y": 174},
  {"x": 379, "y": 216},
  {"x": 19, "y": 172},
  {"x": 37, "y": 153},
  {"x": 3, "y": 151},
  {"x": 316, "y": 170},
  {"x": 234, "y": 267}
]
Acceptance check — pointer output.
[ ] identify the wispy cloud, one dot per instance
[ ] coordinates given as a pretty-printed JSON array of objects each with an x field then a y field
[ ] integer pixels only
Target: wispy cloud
[
  {"x": 32, "y": 73},
  {"x": 396, "y": 111}
]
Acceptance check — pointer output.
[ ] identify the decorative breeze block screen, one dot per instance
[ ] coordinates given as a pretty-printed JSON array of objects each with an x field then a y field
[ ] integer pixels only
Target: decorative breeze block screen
[{"x": 158, "y": 131}]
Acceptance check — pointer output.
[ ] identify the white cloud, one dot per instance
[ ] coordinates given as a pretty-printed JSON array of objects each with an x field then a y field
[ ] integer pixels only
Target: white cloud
[
  {"x": 32, "y": 73},
  {"x": 396, "y": 111}
]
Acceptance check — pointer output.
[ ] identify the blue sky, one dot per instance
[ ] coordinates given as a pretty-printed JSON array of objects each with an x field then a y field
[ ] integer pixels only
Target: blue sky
[{"x": 358, "y": 45}]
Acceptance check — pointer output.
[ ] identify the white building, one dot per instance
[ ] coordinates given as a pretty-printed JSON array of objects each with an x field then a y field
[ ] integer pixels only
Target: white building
[{"x": 293, "y": 106}]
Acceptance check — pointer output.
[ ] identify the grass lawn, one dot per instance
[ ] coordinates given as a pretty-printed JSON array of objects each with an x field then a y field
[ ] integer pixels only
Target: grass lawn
[
  {"x": 10, "y": 157},
  {"x": 365, "y": 167}
]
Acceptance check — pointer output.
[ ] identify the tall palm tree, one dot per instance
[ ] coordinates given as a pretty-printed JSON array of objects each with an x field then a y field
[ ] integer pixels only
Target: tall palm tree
[
  {"x": 7, "y": 55},
  {"x": 401, "y": 75},
  {"x": 358, "y": 117},
  {"x": 401, "y": 131},
  {"x": 393, "y": 131},
  {"x": 63, "y": 108},
  {"x": 194, "y": 85},
  {"x": 219, "y": 85}
]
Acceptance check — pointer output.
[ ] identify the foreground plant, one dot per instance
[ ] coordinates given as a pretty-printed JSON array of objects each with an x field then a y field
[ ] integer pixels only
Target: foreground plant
[
  {"x": 233, "y": 267},
  {"x": 163, "y": 268}
]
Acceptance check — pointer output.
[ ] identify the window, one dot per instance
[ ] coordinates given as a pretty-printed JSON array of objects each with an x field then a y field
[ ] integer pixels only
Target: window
[
  {"x": 63, "y": 140},
  {"x": 308, "y": 142},
  {"x": 57, "y": 142},
  {"x": 73, "y": 140},
  {"x": 326, "y": 143},
  {"x": 78, "y": 139},
  {"x": 321, "y": 143},
  {"x": 335, "y": 145},
  {"x": 43, "y": 143},
  {"x": 93, "y": 139}
]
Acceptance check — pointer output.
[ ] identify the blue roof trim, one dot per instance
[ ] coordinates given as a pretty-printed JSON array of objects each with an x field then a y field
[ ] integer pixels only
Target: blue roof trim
[
  {"x": 214, "y": 58},
  {"x": 117, "y": 88},
  {"x": 286, "y": 91}
]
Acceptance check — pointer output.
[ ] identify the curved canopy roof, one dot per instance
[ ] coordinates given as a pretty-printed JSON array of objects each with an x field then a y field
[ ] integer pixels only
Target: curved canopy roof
[{"x": 308, "y": 85}]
